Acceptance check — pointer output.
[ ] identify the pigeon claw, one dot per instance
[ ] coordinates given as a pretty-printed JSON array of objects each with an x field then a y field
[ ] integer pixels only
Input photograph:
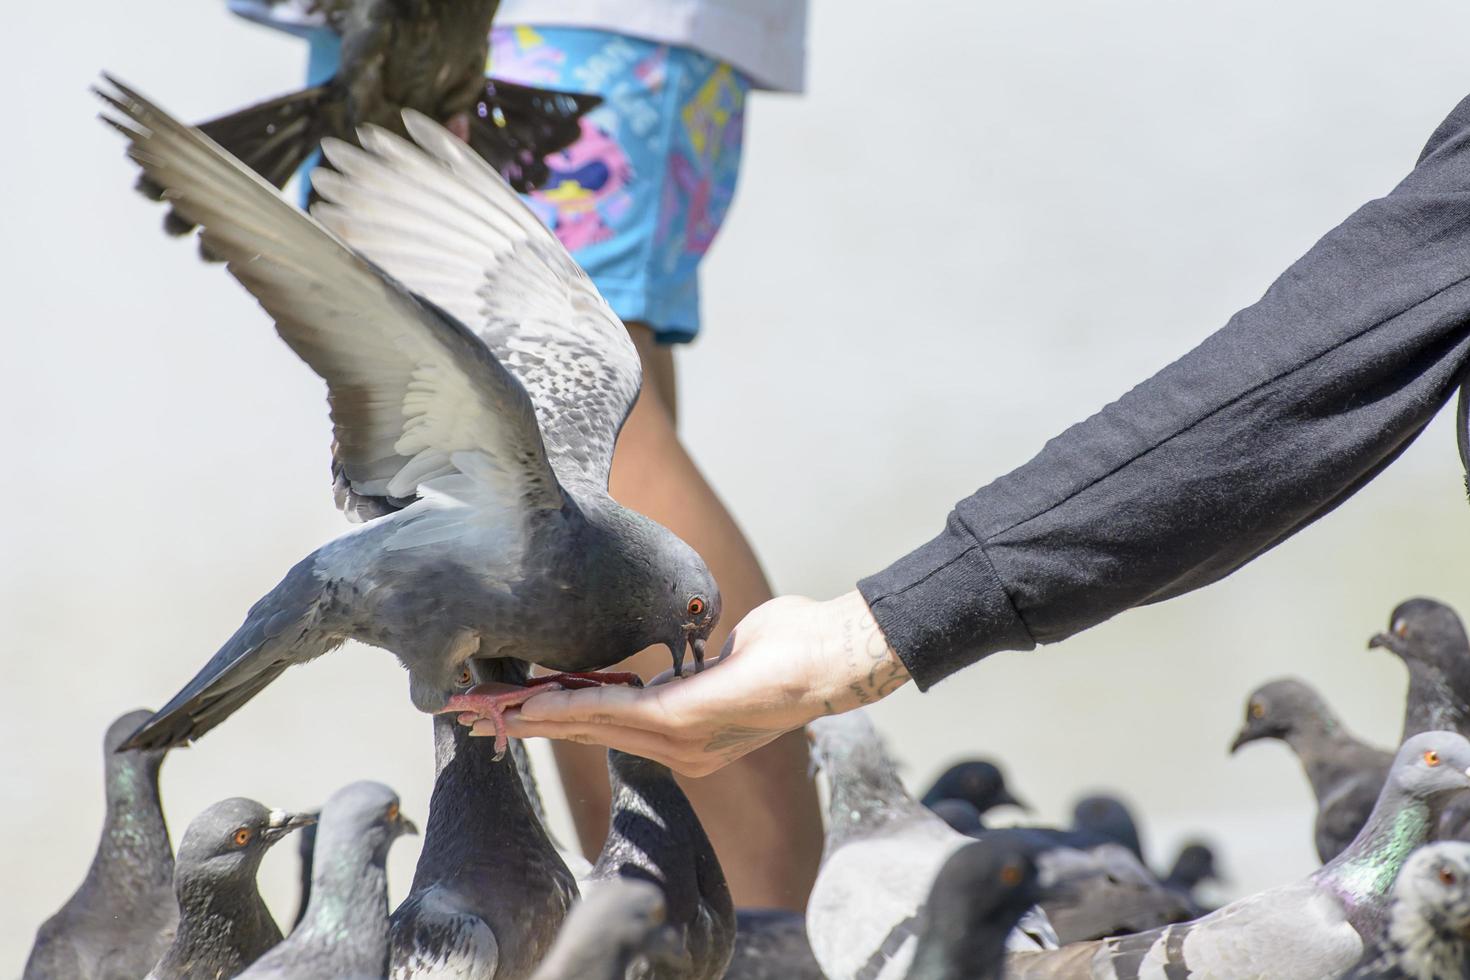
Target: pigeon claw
[{"x": 489, "y": 702}]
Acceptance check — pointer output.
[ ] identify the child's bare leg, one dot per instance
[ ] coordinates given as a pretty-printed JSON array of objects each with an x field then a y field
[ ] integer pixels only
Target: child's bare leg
[{"x": 761, "y": 812}]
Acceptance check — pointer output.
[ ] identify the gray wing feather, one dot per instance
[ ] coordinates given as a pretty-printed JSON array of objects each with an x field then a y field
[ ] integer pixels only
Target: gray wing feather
[
  {"x": 430, "y": 937},
  {"x": 442, "y": 221}
]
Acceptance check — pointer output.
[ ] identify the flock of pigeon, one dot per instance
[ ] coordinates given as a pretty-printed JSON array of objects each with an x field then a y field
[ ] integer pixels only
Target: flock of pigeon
[
  {"x": 477, "y": 384},
  {"x": 910, "y": 888}
]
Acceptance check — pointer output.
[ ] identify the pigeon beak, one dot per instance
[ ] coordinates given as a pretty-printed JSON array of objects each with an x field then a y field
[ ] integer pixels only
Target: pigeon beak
[
  {"x": 697, "y": 645},
  {"x": 280, "y": 823},
  {"x": 667, "y": 948},
  {"x": 407, "y": 826},
  {"x": 1005, "y": 798},
  {"x": 1244, "y": 736},
  {"x": 1384, "y": 640}
]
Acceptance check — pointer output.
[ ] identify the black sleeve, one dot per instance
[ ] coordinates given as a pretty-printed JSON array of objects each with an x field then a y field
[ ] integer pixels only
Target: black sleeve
[{"x": 1266, "y": 426}]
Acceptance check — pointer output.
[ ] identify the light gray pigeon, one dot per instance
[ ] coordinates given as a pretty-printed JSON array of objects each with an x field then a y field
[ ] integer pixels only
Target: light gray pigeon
[
  {"x": 620, "y": 929},
  {"x": 771, "y": 944},
  {"x": 345, "y": 930},
  {"x": 1316, "y": 927},
  {"x": 980, "y": 894},
  {"x": 117, "y": 924},
  {"x": 1346, "y": 773},
  {"x": 1099, "y": 890},
  {"x": 224, "y": 924},
  {"x": 490, "y": 890},
  {"x": 654, "y": 835},
  {"x": 1428, "y": 934},
  {"x": 477, "y": 384},
  {"x": 1430, "y": 639},
  {"x": 882, "y": 852}
]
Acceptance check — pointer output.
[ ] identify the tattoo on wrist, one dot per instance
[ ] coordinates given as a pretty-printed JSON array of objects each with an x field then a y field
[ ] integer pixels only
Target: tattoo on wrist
[
  {"x": 733, "y": 741},
  {"x": 867, "y": 655}
]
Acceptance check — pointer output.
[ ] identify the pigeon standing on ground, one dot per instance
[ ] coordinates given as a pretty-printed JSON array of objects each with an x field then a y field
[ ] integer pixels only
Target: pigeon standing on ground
[
  {"x": 1428, "y": 933},
  {"x": 1346, "y": 773},
  {"x": 622, "y": 922},
  {"x": 882, "y": 853},
  {"x": 345, "y": 930},
  {"x": 118, "y": 922},
  {"x": 978, "y": 897},
  {"x": 771, "y": 944},
  {"x": 655, "y": 836},
  {"x": 490, "y": 890},
  {"x": 1430, "y": 639},
  {"x": 978, "y": 782},
  {"x": 224, "y": 924},
  {"x": 1317, "y": 927},
  {"x": 429, "y": 57},
  {"x": 1109, "y": 817},
  {"x": 482, "y": 459}
]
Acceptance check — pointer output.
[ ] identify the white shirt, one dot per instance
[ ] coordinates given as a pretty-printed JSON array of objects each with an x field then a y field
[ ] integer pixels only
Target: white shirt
[{"x": 766, "y": 39}]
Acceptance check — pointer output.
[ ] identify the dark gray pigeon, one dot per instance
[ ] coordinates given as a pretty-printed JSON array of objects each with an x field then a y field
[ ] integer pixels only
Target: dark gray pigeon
[
  {"x": 481, "y": 457},
  {"x": 1194, "y": 866},
  {"x": 345, "y": 930},
  {"x": 490, "y": 890},
  {"x": 882, "y": 852},
  {"x": 978, "y": 782},
  {"x": 980, "y": 894},
  {"x": 306, "y": 855},
  {"x": 224, "y": 924},
  {"x": 1428, "y": 933},
  {"x": 1109, "y": 817},
  {"x": 1315, "y": 927},
  {"x": 1346, "y": 773},
  {"x": 771, "y": 944},
  {"x": 655, "y": 836},
  {"x": 960, "y": 815},
  {"x": 1430, "y": 639},
  {"x": 1098, "y": 890},
  {"x": 118, "y": 922},
  {"x": 621, "y": 926}
]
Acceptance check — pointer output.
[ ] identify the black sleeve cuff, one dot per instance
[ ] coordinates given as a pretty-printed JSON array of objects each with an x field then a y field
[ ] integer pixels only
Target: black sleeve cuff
[{"x": 942, "y": 607}]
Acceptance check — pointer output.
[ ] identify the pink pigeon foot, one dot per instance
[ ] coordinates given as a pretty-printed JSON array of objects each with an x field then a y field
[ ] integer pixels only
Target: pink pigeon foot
[{"x": 491, "y": 700}]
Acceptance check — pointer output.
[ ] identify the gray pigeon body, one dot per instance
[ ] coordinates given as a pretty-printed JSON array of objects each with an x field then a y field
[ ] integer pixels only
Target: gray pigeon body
[
  {"x": 1430, "y": 639},
  {"x": 1317, "y": 927},
  {"x": 344, "y": 932},
  {"x": 118, "y": 921},
  {"x": 655, "y": 836},
  {"x": 882, "y": 852},
  {"x": 1345, "y": 772},
  {"x": 979, "y": 895},
  {"x": 224, "y": 924},
  {"x": 1428, "y": 933},
  {"x": 477, "y": 384},
  {"x": 771, "y": 944},
  {"x": 490, "y": 890},
  {"x": 619, "y": 930},
  {"x": 1098, "y": 891}
]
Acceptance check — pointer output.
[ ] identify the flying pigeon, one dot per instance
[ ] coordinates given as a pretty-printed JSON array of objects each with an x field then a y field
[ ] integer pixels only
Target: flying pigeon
[
  {"x": 224, "y": 925},
  {"x": 620, "y": 927},
  {"x": 978, "y": 782},
  {"x": 771, "y": 944},
  {"x": 428, "y": 57},
  {"x": 1428, "y": 933},
  {"x": 882, "y": 853},
  {"x": 117, "y": 924},
  {"x": 1346, "y": 774},
  {"x": 482, "y": 459},
  {"x": 978, "y": 897},
  {"x": 1312, "y": 928},
  {"x": 490, "y": 891},
  {"x": 1430, "y": 639},
  {"x": 654, "y": 836},
  {"x": 345, "y": 930}
]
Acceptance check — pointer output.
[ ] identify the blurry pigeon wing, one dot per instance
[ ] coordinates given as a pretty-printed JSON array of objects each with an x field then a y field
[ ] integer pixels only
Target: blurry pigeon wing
[
  {"x": 418, "y": 402},
  {"x": 299, "y": 17},
  {"x": 438, "y": 219},
  {"x": 516, "y": 127},
  {"x": 430, "y": 937},
  {"x": 1343, "y": 812}
]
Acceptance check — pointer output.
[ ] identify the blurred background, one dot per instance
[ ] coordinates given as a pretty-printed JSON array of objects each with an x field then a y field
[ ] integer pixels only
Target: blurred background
[{"x": 982, "y": 223}]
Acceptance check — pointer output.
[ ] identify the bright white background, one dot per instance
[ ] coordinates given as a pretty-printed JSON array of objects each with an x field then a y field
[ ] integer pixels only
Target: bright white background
[{"x": 983, "y": 222}]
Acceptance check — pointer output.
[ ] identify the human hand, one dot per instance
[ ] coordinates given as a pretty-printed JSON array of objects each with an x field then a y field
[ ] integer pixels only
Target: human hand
[{"x": 789, "y": 661}]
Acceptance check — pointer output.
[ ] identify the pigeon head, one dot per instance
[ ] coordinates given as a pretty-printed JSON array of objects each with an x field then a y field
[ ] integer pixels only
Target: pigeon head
[
  {"x": 692, "y": 609},
  {"x": 1282, "y": 709},
  {"x": 978, "y": 896},
  {"x": 1107, "y": 817},
  {"x": 117, "y": 734},
  {"x": 362, "y": 817},
  {"x": 634, "y": 918},
  {"x": 1432, "y": 765},
  {"x": 1426, "y": 633},
  {"x": 1195, "y": 864},
  {"x": 1432, "y": 893},
  {"x": 227, "y": 841},
  {"x": 670, "y": 586},
  {"x": 977, "y": 782}
]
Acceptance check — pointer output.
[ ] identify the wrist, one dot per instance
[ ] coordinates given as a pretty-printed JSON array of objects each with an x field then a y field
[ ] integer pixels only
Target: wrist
[{"x": 859, "y": 666}]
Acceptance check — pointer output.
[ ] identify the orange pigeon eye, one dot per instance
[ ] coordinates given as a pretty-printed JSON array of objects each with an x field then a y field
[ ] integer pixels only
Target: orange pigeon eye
[
  {"x": 1431, "y": 757},
  {"x": 392, "y": 813},
  {"x": 242, "y": 837},
  {"x": 1400, "y": 627},
  {"x": 1011, "y": 875},
  {"x": 1447, "y": 877},
  {"x": 465, "y": 677},
  {"x": 1258, "y": 710},
  {"x": 696, "y": 606}
]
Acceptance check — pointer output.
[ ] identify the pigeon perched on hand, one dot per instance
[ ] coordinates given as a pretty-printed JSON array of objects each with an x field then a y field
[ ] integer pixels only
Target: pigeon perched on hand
[
  {"x": 1430, "y": 639},
  {"x": 490, "y": 890},
  {"x": 344, "y": 932},
  {"x": 482, "y": 458},
  {"x": 1428, "y": 933},
  {"x": 1317, "y": 927},
  {"x": 224, "y": 924},
  {"x": 428, "y": 57},
  {"x": 117, "y": 924},
  {"x": 1346, "y": 773}
]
